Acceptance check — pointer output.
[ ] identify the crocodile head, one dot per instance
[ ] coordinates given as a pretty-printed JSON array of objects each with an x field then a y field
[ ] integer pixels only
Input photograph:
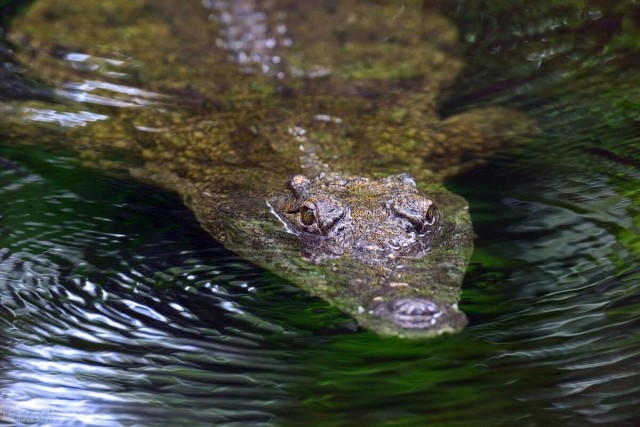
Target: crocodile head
[
  {"x": 374, "y": 221},
  {"x": 392, "y": 255}
]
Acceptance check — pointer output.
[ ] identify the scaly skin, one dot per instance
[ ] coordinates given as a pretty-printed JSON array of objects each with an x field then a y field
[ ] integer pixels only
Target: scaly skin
[{"x": 296, "y": 132}]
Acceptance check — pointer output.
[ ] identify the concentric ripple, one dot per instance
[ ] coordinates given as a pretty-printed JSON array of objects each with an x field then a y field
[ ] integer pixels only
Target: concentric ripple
[{"x": 109, "y": 319}]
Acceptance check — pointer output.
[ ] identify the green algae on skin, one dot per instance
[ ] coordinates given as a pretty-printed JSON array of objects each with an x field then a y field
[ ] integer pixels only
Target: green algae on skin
[{"x": 350, "y": 103}]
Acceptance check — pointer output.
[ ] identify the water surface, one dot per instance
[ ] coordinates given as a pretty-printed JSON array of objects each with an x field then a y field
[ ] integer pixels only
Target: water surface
[{"x": 118, "y": 310}]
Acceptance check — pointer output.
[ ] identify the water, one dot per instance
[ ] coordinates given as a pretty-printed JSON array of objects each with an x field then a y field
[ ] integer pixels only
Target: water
[
  {"x": 106, "y": 310},
  {"x": 118, "y": 310}
]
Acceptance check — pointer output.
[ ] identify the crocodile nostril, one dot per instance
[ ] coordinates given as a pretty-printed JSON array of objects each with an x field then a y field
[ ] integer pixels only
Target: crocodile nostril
[
  {"x": 415, "y": 307},
  {"x": 415, "y": 313}
]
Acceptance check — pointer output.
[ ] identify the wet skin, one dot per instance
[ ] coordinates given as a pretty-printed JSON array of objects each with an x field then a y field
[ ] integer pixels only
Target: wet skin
[
  {"x": 304, "y": 136},
  {"x": 389, "y": 227},
  {"x": 373, "y": 221}
]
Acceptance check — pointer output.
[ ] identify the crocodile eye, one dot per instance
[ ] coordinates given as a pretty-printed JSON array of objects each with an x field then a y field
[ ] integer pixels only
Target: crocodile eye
[
  {"x": 427, "y": 222},
  {"x": 307, "y": 216},
  {"x": 319, "y": 215},
  {"x": 429, "y": 216},
  {"x": 418, "y": 210}
]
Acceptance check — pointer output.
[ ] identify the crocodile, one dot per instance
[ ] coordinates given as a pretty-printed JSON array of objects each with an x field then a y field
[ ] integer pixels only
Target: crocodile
[{"x": 305, "y": 136}]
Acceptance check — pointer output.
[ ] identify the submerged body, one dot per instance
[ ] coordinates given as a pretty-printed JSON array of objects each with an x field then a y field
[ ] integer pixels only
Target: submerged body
[{"x": 304, "y": 135}]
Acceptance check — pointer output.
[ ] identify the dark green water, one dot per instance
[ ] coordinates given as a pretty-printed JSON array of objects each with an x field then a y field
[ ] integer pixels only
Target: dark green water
[{"x": 118, "y": 310}]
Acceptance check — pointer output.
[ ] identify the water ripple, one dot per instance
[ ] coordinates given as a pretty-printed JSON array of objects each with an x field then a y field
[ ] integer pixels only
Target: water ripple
[
  {"x": 83, "y": 343},
  {"x": 117, "y": 310}
]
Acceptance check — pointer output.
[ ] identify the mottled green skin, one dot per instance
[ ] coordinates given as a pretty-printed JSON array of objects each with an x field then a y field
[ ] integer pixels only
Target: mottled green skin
[
  {"x": 400, "y": 252},
  {"x": 376, "y": 221},
  {"x": 352, "y": 100}
]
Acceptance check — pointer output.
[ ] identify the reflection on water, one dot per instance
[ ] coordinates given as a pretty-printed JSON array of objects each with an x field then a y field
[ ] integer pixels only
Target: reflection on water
[
  {"x": 117, "y": 310},
  {"x": 111, "y": 316},
  {"x": 61, "y": 118}
]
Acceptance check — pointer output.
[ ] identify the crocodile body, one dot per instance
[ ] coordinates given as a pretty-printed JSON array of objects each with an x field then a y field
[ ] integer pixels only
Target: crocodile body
[{"x": 304, "y": 135}]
